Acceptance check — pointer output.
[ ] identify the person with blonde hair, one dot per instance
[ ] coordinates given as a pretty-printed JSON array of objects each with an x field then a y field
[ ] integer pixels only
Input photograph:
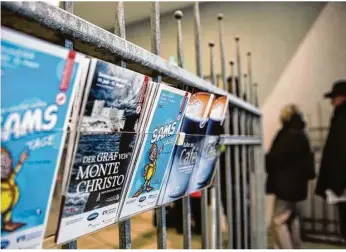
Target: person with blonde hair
[{"x": 289, "y": 166}]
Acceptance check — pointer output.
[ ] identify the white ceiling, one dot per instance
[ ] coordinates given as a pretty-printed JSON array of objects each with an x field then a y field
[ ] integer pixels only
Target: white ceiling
[{"x": 103, "y": 13}]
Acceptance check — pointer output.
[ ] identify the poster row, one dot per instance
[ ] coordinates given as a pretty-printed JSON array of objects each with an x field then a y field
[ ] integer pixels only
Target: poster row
[{"x": 132, "y": 144}]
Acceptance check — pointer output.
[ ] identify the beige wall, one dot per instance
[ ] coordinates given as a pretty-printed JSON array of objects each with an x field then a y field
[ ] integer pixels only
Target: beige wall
[
  {"x": 272, "y": 31},
  {"x": 319, "y": 60}
]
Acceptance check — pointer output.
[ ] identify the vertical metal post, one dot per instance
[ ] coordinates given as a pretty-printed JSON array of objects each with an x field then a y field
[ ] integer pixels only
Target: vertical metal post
[
  {"x": 232, "y": 229},
  {"x": 155, "y": 48},
  {"x": 213, "y": 217},
  {"x": 68, "y": 6},
  {"x": 119, "y": 30},
  {"x": 261, "y": 227},
  {"x": 228, "y": 167},
  {"x": 198, "y": 40},
  {"x": 218, "y": 206},
  {"x": 237, "y": 131},
  {"x": 244, "y": 169},
  {"x": 222, "y": 51},
  {"x": 249, "y": 69},
  {"x": 178, "y": 15},
  {"x": 211, "y": 45},
  {"x": 251, "y": 155},
  {"x": 204, "y": 195},
  {"x": 256, "y": 182},
  {"x": 217, "y": 165},
  {"x": 260, "y": 222},
  {"x": 256, "y": 103},
  {"x": 238, "y": 62},
  {"x": 119, "y": 27}
]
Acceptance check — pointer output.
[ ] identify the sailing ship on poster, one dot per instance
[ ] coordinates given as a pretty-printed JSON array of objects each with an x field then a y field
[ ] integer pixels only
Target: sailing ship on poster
[
  {"x": 189, "y": 146},
  {"x": 39, "y": 86},
  {"x": 112, "y": 110},
  {"x": 154, "y": 150},
  {"x": 204, "y": 170}
]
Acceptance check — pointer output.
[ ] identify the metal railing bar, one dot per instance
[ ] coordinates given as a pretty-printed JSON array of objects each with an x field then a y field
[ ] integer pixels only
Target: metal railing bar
[
  {"x": 77, "y": 28},
  {"x": 204, "y": 193}
]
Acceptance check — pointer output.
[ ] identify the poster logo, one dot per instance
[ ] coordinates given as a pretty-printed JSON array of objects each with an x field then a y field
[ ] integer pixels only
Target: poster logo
[
  {"x": 92, "y": 216},
  {"x": 4, "y": 244},
  {"x": 28, "y": 237},
  {"x": 109, "y": 211},
  {"x": 21, "y": 238}
]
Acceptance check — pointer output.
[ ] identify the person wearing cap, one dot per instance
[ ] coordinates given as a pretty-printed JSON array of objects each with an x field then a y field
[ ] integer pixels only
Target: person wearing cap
[{"x": 331, "y": 183}]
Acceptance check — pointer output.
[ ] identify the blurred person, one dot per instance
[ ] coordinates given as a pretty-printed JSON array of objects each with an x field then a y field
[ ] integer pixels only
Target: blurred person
[
  {"x": 289, "y": 166},
  {"x": 331, "y": 183}
]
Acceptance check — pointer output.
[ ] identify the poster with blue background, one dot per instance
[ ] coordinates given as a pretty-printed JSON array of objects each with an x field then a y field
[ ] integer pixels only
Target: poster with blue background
[
  {"x": 38, "y": 84},
  {"x": 161, "y": 134}
]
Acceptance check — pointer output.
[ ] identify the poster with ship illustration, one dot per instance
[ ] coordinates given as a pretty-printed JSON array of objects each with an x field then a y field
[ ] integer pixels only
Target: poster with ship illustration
[
  {"x": 189, "y": 146},
  {"x": 204, "y": 170},
  {"x": 39, "y": 85},
  {"x": 155, "y": 151},
  {"x": 113, "y": 106}
]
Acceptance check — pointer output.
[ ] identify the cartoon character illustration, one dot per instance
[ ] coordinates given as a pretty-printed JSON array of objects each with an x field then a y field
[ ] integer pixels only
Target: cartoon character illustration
[
  {"x": 9, "y": 190},
  {"x": 149, "y": 169}
]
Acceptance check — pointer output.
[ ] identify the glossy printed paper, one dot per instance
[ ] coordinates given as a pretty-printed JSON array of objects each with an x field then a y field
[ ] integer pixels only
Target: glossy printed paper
[
  {"x": 38, "y": 86},
  {"x": 108, "y": 131},
  {"x": 156, "y": 151}
]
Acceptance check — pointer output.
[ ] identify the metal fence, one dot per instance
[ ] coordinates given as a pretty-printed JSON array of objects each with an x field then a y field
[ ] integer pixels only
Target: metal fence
[{"x": 241, "y": 169}]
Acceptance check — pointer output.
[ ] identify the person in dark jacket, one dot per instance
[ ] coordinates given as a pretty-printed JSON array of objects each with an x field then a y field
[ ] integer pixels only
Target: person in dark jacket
[
  {"x": 289, "y": 166},
  {"x": 332, "y": 176}
]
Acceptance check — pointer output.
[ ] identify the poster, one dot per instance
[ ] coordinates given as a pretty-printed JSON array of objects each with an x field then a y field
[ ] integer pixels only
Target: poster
[
  {"x": 189, "y": 146},
  {"x": 39, "y": 81},
  {"x": 156, "y": 150},
  {"x": 113, "y": 106},
  {"x": 204, "y": 170}
]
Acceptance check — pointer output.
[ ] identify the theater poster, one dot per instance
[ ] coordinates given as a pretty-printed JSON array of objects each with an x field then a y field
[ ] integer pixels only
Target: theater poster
[
  {"x": 39, "y": 81},
  {"x": 156, "y": 150},
  {"x": 112, "y": 108}
]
